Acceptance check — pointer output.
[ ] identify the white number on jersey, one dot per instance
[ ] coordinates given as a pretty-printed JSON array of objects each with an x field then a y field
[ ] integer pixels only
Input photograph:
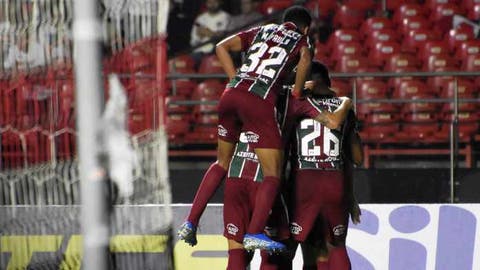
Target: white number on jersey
[
  {"x": 328, "y": 138},
  {"x": 277, "y": 55}
]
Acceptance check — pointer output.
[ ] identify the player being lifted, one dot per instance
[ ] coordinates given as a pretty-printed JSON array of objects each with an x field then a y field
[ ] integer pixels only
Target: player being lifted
[
  {"x": 248, "y": 105},
  {"x": 321, "y": 188}
]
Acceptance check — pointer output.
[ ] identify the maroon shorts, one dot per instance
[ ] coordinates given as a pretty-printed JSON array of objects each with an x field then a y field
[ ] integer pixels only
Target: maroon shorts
[
  {"x": 319, "y": 193},
  {"x": 241, "y": 111},
  {"x": 238, "y": 203}
]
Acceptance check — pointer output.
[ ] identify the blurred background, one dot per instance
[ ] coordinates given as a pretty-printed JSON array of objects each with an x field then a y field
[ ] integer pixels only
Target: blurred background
[{"x": 411, "y": 67}]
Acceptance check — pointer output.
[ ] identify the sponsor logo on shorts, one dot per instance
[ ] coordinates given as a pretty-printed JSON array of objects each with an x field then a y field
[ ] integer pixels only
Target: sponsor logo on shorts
[
  {"x": 222, "y": 131},
  {"x": 232, "y": 229},
  {"x": 250, "y": 137},
  {"x": 295, "y": 228},
  {"x": 339, "y": 230}
]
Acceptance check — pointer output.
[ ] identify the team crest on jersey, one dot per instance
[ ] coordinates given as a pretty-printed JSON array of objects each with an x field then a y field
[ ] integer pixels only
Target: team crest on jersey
[
  {"x": 339, "y": 230},
  {"x": 232, "y": 229},
  {"x": 249, "y": 137},
  {"x": 295, "y": 228},
  {"x": 222, "y": 131}
]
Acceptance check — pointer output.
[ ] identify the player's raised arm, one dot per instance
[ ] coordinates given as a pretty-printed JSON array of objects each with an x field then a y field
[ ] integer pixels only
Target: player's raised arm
[
  {"x": 231, "y": 43},
  {"x": 303, "y": 69},
  {"x": 335, "y": 119}
]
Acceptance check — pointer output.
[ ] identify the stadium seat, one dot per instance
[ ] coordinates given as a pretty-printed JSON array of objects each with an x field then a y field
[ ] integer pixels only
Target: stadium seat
[
  {"x": 182, "y": 64},
  {"x": 174, "y": 108},
  {"x": 177, "y": 126},
  {"x": 372, "y": 89},
  {"x": 414, "y": 23},
  {"x": 412, "y": 88},
  {"x": 401, "y": 60},
  {"x": 394, "y": 82},
  {"x": 395, "y": 4},
  {"x": 474, "y": 12},
  {"x": 379, "y": 126},
  {"x": 420, "y": 107},
  {"x": 183, "y": 87},
  {"x": 442, "y": 14},
  {"x": 379, "y": 54},
  {"x": 361, "y": 79},
  {"x": 207, "y": 105},
  {"x": 202, "y": 135},
  {"x": 346, "y": 49},
  {"x": 364, "y": 109},
  {"x": 466, "y": 88},
  {"x": 433, "y": 4},
  {"x": 209, "y": 88},
  {"x": 342, "y": 36},
  {"x": 416, "y": 39},
  {"x": 469, "y": 4},
  {"x": 364, "y": 5},
  {"x": 351, "y": 63},
  {"x": 419, "y": 126},
  {"x": 382, "y": 35},
  {"x": 348, "y": 18},
  {"x": 210, "y": 65},
  {"x": 467, "y": 48},
  {"x": 468, "y": 124},
  {"x": 272, "y": 6},
  {"x": 433, "y": 47},
  {"x": 440, "y": 63},
  {"x": 12, "y": 154},
  {"x": 341, "y": 87},
  {"x": 375, "y": 23},
  {"x": 458, "y": 36},
  {"x": 471, "y": 63},
  {"x": 207, "y": 119},
  {"x": 408, "y": 10},
  {"x": 321, "y": 8}
]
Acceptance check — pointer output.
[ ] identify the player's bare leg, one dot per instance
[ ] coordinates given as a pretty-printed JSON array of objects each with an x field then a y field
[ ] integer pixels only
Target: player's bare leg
[
  {"x": 270, "y": 161},
  {"x": 210, "y": 183}
]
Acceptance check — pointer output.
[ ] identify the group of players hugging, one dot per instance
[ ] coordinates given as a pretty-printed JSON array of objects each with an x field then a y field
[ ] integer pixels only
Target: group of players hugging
[{"x": 286, "y": 152}]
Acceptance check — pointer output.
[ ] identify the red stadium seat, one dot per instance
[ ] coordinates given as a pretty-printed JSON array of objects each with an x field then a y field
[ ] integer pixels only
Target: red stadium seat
[
  {"x": 321, "y": 50},
  {"x": 321, "y": 8},
  {"x": 458, "y": 36},
  {"x": 207, "y": 119},
  {"x": 177, "y": 126},
  {"x": 378, "y": 126},
  {"x": 379, "y": 54},
  {"x": 414, "y": 23},
  {"x": 342, "y": 36},
  {"x": 372, "y": 89},
  {"x": 207, "y": 105},
  {"x": 394, "y": 82},
  {"x": 416, "y": 39},
  {"x": 469, "y": 4},
  {"x": 209, "y": 88},
  {"x": 210, "y": 65},
  {"x": 375, "y": 23},
  {"x": 348, "y": 18},
  {"x": 362, "y": 79},
  {"x": 395, "y": 4},
  {"x": 342, "y": 88},
  {"x": 351, "y": 63},
  {"x": 467, "y": 48},
  {"x": 382, "y": 35},
  {"x": 412, "y": 88},
  {"x": 183, "y": 87},
  {"x": 182, "y": 64},
  {"x": 440, "y": 62},
  {"x": 433, "y": 4},
  {"x": 442, "y": 16},
  {"x": 466, "y": 88},
  {"x": 375, "y": 107},
  {"x": 419, "y": 126},
  {"x": 420, "y": 106},
  {"x": 173, "y": 106},
  {"x": 408, "y": 10},
  {"x": 474, "y": 12},
  {"x": 203, "y": 135},
  {"x": 433, "y": 47},
  {"x": 360, "y": 5},
  {"x": 401, "y": 60},
  {"x": 272, "y": 6},
  {"x": 471, "y": 63},
  {"x": 346, "y": 49}
]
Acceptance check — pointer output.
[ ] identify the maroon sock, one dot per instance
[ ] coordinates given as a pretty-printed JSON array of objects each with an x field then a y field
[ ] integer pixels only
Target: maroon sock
[
  {"x": 322, "y": 265},
  {"x": 266, "y": 194},
  {"x": 338, "y": 259},
  {"x": 237, "y": 259},
  {"x": 210, "y": 183}
]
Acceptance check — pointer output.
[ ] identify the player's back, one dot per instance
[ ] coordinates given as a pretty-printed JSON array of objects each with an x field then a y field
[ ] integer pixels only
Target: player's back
[
  {"x": 273, "y": 51},
  {"x": 316, "y": 146}
]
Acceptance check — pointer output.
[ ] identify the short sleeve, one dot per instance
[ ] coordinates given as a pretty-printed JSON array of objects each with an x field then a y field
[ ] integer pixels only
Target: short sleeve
[
  {"x": 247, "y": 37},
  {"x": 303, "y": 108}
]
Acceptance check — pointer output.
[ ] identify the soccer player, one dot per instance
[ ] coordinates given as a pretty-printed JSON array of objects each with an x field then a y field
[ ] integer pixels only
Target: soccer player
[
  {"x": 319, "y": 172},
  {"x": 248, "y": 105}
]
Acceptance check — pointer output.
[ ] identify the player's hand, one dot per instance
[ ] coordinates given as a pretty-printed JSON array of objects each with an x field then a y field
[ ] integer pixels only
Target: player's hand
[
  {"x": 309, "y": 85},
  {"x": 355, "y": 211}
]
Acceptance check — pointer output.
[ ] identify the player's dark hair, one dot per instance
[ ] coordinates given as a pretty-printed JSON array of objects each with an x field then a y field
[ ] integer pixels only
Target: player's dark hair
[
  {"x": 319, "y": 70},
  {"x": 297, "y": 15}
]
